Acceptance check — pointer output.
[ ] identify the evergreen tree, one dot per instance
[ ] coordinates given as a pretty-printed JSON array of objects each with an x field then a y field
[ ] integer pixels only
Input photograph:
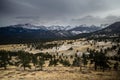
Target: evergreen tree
[
  {"x": 76, "y": 62},
  {"x": 84, "y": 59},
  {"x": 66, "y": 63},
  {"x": 116, "y": 65},
  {"x": 53, "y": 62},
  {"x": 118, "y": 52},
  {"x": 91, "y": 57},
  {"x": 71, "y": 56},
  {"x": 34, "y": 60},
  {"x": 101, "y": 61},
  {"x": 24, "y": 59},
  {"x": 41, "y": 62},
  {"x": 4, "y": 59}
]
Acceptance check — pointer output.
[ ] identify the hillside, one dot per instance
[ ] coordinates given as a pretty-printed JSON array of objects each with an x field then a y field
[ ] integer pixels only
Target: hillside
[
  {"x": 22, "y": 33},
  {"x": 112, "y": 30},
  {"x": 19, "y": 35}
]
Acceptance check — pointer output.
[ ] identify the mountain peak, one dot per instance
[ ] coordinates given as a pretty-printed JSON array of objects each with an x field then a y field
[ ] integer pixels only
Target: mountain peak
[
  {"x": 115, "y": 25},
  {"x": 29, "y": 26},
  {"x": 111, "y": 29}
]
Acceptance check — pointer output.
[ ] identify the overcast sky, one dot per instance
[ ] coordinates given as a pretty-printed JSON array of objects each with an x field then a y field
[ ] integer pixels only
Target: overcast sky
[{"x": 59, "y": 12}]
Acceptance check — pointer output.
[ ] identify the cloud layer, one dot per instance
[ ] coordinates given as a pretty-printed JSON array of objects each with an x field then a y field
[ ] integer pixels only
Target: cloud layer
[{"x": 59, "y": 12}]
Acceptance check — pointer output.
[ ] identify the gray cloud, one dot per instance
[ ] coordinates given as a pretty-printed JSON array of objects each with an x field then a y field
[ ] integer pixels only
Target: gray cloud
[
  {"x": 63, "y": 12},
  {"x": 95, "y": 20}
]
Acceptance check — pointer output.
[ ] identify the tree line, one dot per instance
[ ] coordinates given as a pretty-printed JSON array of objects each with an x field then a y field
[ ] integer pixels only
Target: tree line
[{"x": 25, "y": 60}]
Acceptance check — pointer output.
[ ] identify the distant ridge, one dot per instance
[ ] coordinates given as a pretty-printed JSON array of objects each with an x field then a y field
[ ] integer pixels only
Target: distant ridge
[
  {"x": 23, "y": 33},
  {"x": 112, "y": 30}
]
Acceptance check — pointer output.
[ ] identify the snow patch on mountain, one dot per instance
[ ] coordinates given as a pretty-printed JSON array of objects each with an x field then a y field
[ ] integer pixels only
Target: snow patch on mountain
[{"x": 30, "y": 26}]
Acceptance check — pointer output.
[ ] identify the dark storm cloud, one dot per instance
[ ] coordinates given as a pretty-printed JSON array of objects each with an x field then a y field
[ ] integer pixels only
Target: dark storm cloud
[
  {"x": 5, "y": 7},
  {"x": 50, "y": 12},
  {"x": 33, "y": 7}
]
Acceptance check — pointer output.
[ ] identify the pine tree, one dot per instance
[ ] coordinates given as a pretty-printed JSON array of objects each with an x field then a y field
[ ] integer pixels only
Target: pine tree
[
  {"x": 66, "y": 63},
  {"x": 4, "y": 59},
  {"x": 53, "y": 62},
  {"x": 24, "y": 59},
  {"x": 116, "y": 65},
  {"x": 41, "y": 62},
  {"x": 76, "y": 62},
  {"x": 118, "y": 51},
  {"x": 101, "y": 61},
  {"x": 34, "y": 60},
  {"x": 84, "y": 59}
]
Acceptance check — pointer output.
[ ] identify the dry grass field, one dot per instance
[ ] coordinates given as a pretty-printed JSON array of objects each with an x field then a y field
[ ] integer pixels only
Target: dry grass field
[
  {"x": 80, "y": 45},
  {"x": 59, "y": 72}
]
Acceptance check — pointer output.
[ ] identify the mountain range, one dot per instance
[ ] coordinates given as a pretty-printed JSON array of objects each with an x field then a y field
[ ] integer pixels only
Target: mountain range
[
  {"x": 112, "y": 30},
  {"x": 28, "y": 33}
]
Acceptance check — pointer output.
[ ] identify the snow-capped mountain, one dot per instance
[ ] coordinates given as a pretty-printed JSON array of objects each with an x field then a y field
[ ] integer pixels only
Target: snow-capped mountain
[
  {"x": 29, "y": 32},
  {"x": 84, "y": 29},
  {"x": 111, "y": 31},
  {"x": 29, "y": 26},
  {"x": 104, "y": 25},
  {"x": 58, "y": 28},
  {"x": 68, "y": 27},
  {"x": 81, "y": 28}
]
